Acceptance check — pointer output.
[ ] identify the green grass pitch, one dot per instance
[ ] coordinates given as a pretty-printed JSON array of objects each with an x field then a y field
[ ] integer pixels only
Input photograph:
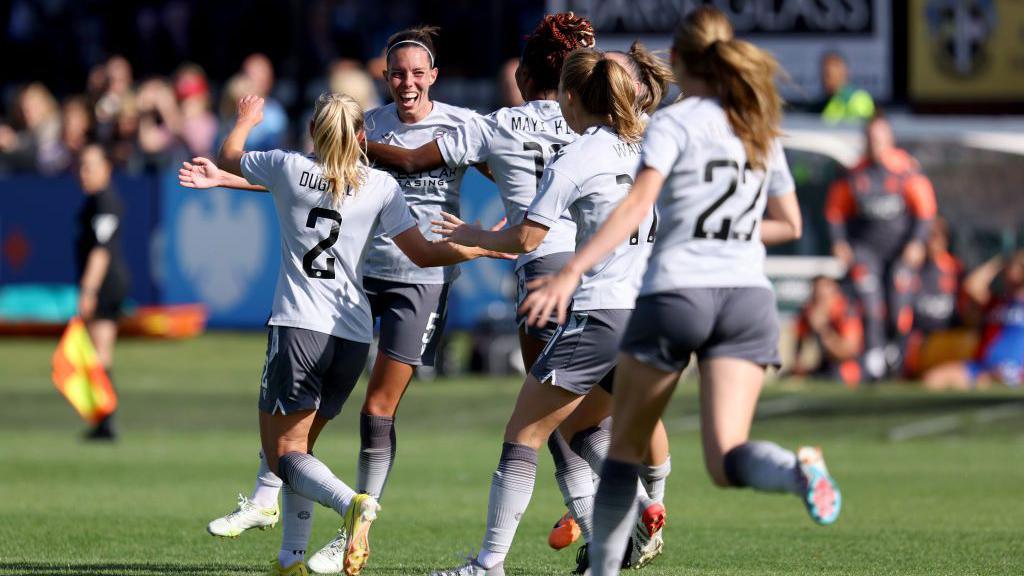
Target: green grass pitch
[{"x": 932, "y": 484}]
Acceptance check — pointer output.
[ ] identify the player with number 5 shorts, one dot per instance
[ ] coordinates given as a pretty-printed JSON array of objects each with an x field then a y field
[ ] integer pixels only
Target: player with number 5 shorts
[{"x": 330, "y": 206}]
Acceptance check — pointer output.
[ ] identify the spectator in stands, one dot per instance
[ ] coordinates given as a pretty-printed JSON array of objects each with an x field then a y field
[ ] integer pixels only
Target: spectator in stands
[
  {"x": 880, "y": 215},
  {"x": 76, "y": 127},
  {"x": 997, "y": 287},
  {"x": 198, "y": 122},
  {"x": 32, "y": 141},
  {"x": 936, "y": 298},
  {"x": 159, "y": 124},
  {"x": 834, "y": 323},
  {"x": 344, "y": 77},
  {"x": 102, "y": 272},
  {"x": 843, "y": 102},
  {"x": 110, "y": 89},
  {"x": 270, "y": 133}
]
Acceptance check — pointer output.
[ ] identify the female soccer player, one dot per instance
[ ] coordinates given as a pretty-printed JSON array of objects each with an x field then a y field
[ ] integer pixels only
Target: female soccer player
[
  {"x": 103, "y": 275},
  {"x": 330, "y": 206},
  {"x": 515, "y": 144},
  {"x": 410, "y": 302},
  {"x": 713, "y": 163},
  {"x": 585, "y": 179}
]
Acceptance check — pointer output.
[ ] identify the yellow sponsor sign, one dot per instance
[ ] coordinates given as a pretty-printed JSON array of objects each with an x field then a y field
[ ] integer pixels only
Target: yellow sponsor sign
[{"x": 966, "y": 50}]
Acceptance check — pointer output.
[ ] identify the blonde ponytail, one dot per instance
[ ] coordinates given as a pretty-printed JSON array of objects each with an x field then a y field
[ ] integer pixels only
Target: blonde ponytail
[
  {"x": 651, "y": 72},
  {"x": 337, "y": 122},
  {"x": 741, "y": 74},
  {"x": 604, "y": 88}
]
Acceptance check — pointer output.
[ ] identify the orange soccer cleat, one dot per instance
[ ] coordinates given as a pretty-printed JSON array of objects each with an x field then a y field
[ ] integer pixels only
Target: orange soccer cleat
[{"x": 564, "y": 533}]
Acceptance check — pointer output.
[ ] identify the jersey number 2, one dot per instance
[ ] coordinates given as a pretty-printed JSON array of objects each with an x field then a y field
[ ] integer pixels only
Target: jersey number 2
[{"x": 325, "y": 244}]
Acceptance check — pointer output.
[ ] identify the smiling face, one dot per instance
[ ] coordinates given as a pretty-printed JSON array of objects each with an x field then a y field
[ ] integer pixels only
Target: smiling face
[{"x": 409, "y": 77}]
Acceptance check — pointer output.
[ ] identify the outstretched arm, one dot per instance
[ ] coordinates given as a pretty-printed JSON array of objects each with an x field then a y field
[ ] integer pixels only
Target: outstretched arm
[
  {"x": 202, "y": 174},
  {"x": 426, "y": 254},
  {"x": 406, "y": 160},
  {"x": 518, "y": 239},
  {"x": 551, "y": 292},
  {"x": 250, "y": 113}
]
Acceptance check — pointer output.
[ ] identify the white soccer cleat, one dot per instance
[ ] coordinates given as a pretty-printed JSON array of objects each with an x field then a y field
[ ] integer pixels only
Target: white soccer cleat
[
  {"x": 247, "y": 515},
  {"x": 646, "y": 548},
  {"x": 471, "y": 568},
  {"x": 331, "y": 558}
]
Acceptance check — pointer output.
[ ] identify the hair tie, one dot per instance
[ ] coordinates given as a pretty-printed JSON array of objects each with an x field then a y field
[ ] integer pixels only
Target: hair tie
[{"x": 387, "y": 54}]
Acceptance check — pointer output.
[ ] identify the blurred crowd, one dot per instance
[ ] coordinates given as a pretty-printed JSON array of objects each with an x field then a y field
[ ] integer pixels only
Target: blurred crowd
[
  {"x": 905, "y": 307},
  {"x": 154, "y": 123}
]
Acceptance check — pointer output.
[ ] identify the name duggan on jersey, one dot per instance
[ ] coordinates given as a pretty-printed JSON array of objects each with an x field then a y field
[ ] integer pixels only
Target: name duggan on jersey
[{"x": 526, "y": 124}]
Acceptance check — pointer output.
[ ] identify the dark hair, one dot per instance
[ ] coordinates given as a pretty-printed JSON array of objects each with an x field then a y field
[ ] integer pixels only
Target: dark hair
[
  {"x": 422, "y": 34},
  {"x": 604, "y": 88},
  {"x": 547, "y": 47},
  {"x": 652, "y": 73},
  {"x": 741, "y": 75}
]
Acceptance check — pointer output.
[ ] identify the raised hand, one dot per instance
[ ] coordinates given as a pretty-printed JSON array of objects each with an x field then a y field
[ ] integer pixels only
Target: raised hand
[
  {"x": 200, "y": 174},
  {"x": 454, "y": 230},
  {"x": 250, "y": 110}
]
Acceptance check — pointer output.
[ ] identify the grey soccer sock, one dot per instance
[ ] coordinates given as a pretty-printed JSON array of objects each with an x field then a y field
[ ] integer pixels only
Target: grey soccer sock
[
  {"x": 764, "y": 466},
  {"x": 592, "y": 445},
  {"x": 297, "y": 521},
  {"x": 268, "y": 485},
  {"x": 314, "y": 480},
  {"x": 511, "y": 489},
  {"x": 615, "y": 512},
  {"x": 653, "y": 478},
  {"x": 576, "y": 481},
  {"x": 376, "y": 453}
]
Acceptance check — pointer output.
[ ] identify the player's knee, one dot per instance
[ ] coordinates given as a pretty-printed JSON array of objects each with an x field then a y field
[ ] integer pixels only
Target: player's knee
[
  {"x": 380, "y": 403},
  {"x": 716, "y": 470}
]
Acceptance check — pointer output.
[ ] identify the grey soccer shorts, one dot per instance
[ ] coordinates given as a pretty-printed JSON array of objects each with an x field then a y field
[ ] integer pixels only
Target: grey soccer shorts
[
  {"x": 543, "y": 266},
  {"x": 666, "y": 328},
  {"x": 412, "y": 318},
  {"x": 309, "y": 370},
  {"x": 583, "y": 352}
]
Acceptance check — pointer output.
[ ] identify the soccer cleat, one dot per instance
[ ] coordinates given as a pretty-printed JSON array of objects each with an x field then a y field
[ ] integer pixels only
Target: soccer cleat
[
  {"x": 645, "y": 548},
  {"x": 821, "y": 497},
  {"x": 360, "y": 515},
  {"x": 653, "y": 518},
  {"x": 471, "y": 568},
  {"x": 297, "y": 569},
  {"x": 331, "y": 558},
  {"x": 628, "y": 559},
  {"x": 582, "y": 560},
  {"x": 247, "y": 515},
  {"x": 564, "y": 533}
]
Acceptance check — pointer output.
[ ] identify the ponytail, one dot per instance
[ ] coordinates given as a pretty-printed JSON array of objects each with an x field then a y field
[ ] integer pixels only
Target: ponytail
[
  {"x": 337, "y": 122},
  {"x": 651, "y": 73},
  {"x": 741, "y": 74},
  {"x": 604, "y": 88}
]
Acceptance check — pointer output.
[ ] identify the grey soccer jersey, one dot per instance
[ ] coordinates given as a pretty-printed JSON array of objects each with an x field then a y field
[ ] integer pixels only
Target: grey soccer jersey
[
  {"x": 323, "y": 245},
  {"x": 589, "y": 178},
  {"x": 516, "y": 144},
  {"x": 710, "y": 207},
  {"x": 428, "y": 192}
]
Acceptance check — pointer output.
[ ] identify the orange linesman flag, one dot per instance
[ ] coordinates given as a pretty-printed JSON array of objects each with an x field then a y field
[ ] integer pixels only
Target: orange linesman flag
[{"x": 79, "y": 376}]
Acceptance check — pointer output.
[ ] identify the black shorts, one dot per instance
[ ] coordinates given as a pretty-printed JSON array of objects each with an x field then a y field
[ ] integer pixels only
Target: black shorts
[
  {"x": 309, "y": 370},
  {"x": 412, "y": 318},
  {"x": 110, "y": 298},
  {"x": 667, "y": 327}
]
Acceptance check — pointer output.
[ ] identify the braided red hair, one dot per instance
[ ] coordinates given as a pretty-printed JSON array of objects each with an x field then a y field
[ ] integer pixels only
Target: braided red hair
[{"x": 550, "y": 43}]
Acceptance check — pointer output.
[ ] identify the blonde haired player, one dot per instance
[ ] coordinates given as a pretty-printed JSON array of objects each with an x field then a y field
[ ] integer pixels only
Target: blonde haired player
[
  {"x": 330, "y": 206},
  {"x": 714, "y": 164}
]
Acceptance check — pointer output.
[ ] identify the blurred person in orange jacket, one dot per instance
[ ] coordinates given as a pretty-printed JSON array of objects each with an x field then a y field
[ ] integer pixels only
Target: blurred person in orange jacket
[
  {"x": 835, "y": 324},
  {"x": 937, "y": 298},
  {"x": 880, "y": 215}
]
